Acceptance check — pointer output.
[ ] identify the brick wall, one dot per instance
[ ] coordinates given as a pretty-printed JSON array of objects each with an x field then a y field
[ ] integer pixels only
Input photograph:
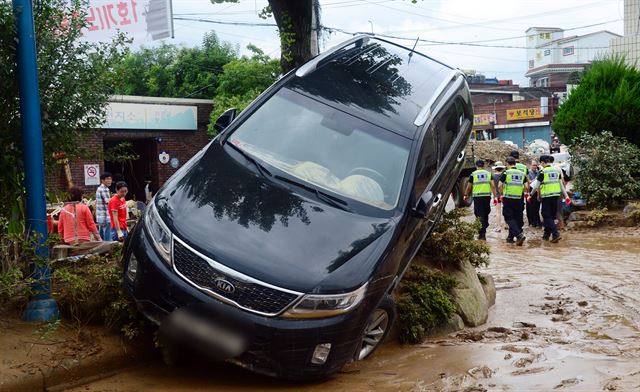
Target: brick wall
[
  {"x": 502, "y": 107},
  {"x": 179, "y": 144}
]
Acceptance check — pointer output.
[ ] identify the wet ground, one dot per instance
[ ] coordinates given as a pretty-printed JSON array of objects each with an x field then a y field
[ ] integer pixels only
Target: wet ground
[{"x": 567, "y": 317}]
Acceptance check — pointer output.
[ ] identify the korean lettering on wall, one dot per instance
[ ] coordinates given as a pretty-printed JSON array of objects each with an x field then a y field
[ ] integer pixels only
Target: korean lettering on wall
[{"x": 524, "y": 114}]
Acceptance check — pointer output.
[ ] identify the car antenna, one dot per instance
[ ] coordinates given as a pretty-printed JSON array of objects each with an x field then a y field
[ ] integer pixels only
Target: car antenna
[{"x": 413, "y": 49}]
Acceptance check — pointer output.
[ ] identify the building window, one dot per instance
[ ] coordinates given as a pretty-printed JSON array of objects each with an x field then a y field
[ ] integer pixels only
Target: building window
[
  {"x": 531, "y": 63},
  {"x": 531, "y": 37},
  {"x": 568, "y": 51},
  {"x": 547, "y": 52},
  {"x": 545, "y": 35}
]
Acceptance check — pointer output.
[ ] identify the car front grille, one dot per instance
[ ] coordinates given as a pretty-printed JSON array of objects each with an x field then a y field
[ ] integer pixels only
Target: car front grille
[{"x": 245, "y": 293}]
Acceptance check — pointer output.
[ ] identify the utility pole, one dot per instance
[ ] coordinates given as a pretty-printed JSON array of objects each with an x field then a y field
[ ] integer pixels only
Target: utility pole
[{"x": 41, "y": 307}]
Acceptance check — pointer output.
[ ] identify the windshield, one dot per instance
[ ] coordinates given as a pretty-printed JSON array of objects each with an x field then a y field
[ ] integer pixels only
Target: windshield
[{"x": 327, "y": 148}]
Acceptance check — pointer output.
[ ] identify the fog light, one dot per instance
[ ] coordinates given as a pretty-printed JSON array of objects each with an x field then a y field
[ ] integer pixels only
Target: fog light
[
  {"x": 132, "y": 268},
  {"x": 321, "y": 353}
]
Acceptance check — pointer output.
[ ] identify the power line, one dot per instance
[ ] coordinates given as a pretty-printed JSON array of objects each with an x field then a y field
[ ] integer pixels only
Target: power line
[{"x": 426, "y": 42}]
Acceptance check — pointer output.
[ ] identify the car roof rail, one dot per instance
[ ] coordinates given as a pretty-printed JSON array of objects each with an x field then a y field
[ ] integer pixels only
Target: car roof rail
[
  {"x": 454, "y": 76},
  {"x": 312, "y": 64}
]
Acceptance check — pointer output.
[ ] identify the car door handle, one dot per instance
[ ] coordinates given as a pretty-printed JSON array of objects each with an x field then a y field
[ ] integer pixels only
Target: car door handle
[
  {"x": 437, "y": 200},
  {"x": 461, "y": 155}
]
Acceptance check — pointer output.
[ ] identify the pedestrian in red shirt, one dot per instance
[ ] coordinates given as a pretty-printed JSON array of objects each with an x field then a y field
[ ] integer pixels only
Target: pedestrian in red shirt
[
  {"x": 75, "y": 224},
  {"x": 118, "y": 212}
]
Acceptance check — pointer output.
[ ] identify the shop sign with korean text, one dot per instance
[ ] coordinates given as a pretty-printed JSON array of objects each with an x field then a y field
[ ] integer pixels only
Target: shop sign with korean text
[
  {"x": 142, "y": 20},
  {"x": 483, "y": 119},
  {"x": 524, "y": 114},
  {"x": 151, "y": 116}
]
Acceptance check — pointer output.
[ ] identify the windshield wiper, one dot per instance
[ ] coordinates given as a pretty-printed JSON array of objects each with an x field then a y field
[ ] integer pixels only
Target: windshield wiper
[
  {"x": 261, "y": 169},
  {"x": 331, "y": 200}
]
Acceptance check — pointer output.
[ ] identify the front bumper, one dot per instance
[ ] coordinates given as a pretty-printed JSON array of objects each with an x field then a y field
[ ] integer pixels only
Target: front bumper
[{"x": 276, "y": 346}]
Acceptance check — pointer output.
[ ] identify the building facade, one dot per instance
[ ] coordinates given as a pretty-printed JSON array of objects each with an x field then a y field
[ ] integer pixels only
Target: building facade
[
  {"x": 520, "y": 122},
  {"x": 160, "y": 133},
  {"x": 552, "y": 58},
  {"x": 629, "y": 44}
]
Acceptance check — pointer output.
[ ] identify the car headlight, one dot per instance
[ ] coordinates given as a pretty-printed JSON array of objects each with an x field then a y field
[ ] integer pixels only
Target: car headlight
[
  {"x": 159, "y": 233},
  {"x": 316, "y": 306}
]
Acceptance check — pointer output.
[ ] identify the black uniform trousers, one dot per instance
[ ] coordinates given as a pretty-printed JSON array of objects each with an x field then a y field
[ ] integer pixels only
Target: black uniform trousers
[
  {"x": 533, "y": 212},
  {"x": 512, "y": 212},
  {"x": 549, "y": 211},
  {"x": 482, "y": 210}
]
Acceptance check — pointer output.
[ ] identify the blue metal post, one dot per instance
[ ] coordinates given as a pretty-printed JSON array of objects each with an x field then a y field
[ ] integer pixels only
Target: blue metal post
[{"x": 41, "y": 307}]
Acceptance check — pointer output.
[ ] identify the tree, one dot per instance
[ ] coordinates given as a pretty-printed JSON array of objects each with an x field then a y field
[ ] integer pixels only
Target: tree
[
  {"x": 294, "y": 19},
  {"x": 171, "y": 71},
  {"x": 76, "y": 78},
  {"x": 241, "y": 81},
  {"x": 609, "y": 169},
  {"x": 608, "y": 98}
]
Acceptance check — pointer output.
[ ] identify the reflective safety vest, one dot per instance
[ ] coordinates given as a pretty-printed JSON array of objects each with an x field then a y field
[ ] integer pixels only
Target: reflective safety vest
[
  {"x": 481, "y": 183},
  {"x": 514, "y": 185},
  {"x": 550, "y": 185},
  {"x": 522, "y": 167}
]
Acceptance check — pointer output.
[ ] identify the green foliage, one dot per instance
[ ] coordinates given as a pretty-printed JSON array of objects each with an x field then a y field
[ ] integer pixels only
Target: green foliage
[
  {"x": 608, "y": 98},
  {"x": 424, "y": 302},
  {"x": 596, "y": 217},
  {"x": 453, "y": 242},
  {"x": 242, "y": 81},
  {"x": 75, "y": 80},
  {"x": 608, "y": 169},
  {"x": 172, "y": 71},
  {"x": 120, "y": 153},
  {"x": 89, "y": 290}
]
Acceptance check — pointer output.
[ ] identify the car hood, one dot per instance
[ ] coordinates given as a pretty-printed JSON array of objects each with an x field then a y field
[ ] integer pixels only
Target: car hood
[{"x": 226, "y": 210}]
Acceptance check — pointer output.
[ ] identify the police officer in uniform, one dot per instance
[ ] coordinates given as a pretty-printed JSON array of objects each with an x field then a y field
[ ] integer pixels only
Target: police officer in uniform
[
  {"x": 523, "y": 168},
  {"x": 550, "y": 191},
  {"x": 512, "y": 187},
  {"x": 482, "y": 186}
]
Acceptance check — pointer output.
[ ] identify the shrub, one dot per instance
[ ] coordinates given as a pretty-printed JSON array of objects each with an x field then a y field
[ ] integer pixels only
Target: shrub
[
  {"x": 453, "y": 242},
  {"x": 608, "y": 97},
  {"x": 596, "y": 217},
  {"x": 89, "y": 290},
  {"x": 608, "y": 169},
  {"x": 424, "y": 302}
]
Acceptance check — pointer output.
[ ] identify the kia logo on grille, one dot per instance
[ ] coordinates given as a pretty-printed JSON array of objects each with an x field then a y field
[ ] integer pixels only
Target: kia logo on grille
[{"x": 225, "y": 286}]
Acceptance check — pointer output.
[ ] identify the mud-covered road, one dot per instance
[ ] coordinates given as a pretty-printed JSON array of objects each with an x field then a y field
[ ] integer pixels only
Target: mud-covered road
[{"x": 567, "y": 317}]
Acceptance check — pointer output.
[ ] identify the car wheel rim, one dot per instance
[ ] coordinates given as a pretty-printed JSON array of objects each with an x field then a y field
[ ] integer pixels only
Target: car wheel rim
[{"x": 373, "y": 333}]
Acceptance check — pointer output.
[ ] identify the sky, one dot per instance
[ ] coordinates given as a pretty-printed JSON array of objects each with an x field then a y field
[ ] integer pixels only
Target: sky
[{"x": 435, "y": 20}]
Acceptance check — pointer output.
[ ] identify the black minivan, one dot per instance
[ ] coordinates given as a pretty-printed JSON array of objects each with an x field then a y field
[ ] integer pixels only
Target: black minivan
[{"x": 277, "y": 247}]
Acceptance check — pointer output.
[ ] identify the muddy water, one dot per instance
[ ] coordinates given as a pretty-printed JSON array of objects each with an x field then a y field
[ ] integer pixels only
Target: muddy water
[{"x": 567, "y": 317}]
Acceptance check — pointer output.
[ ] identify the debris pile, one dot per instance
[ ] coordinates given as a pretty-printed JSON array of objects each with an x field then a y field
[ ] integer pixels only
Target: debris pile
[{"x": 494, "y": 150}]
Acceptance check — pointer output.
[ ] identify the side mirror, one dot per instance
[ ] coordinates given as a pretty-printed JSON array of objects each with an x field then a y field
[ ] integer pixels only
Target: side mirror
[
  {"x": 422, "y": 208},
  {"x": 225, "y": 119}
]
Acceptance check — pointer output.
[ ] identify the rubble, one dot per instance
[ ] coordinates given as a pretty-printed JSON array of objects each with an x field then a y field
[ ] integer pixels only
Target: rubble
[{"x": 494, "y": 150}]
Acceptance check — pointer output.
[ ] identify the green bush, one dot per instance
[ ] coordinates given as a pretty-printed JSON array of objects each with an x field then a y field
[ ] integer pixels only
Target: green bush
[
  {"x": 424, "y": 302},
  {"x": 608, "y": 169},
  {"x": 453, "y": 242},
  {"x": 608, "y": 98}
]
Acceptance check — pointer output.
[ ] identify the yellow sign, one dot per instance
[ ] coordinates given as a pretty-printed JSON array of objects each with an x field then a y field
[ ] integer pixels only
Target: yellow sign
[
  {"x": 483, "y": 119},
  {"x": 523, "y": 114}
]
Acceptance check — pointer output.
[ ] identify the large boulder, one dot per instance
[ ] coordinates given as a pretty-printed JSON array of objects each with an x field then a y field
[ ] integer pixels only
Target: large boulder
[
  {"x": 454, "y": 324},
  {"x": 471, "y": 300},
  {"x": 489, "y": 287}
]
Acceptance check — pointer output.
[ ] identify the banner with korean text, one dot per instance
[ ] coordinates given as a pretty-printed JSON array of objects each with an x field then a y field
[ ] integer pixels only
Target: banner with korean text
[{"x": 142, "y": 20}]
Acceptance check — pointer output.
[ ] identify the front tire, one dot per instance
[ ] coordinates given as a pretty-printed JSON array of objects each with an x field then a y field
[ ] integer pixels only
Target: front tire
[{"x": 377, "y": 328}]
